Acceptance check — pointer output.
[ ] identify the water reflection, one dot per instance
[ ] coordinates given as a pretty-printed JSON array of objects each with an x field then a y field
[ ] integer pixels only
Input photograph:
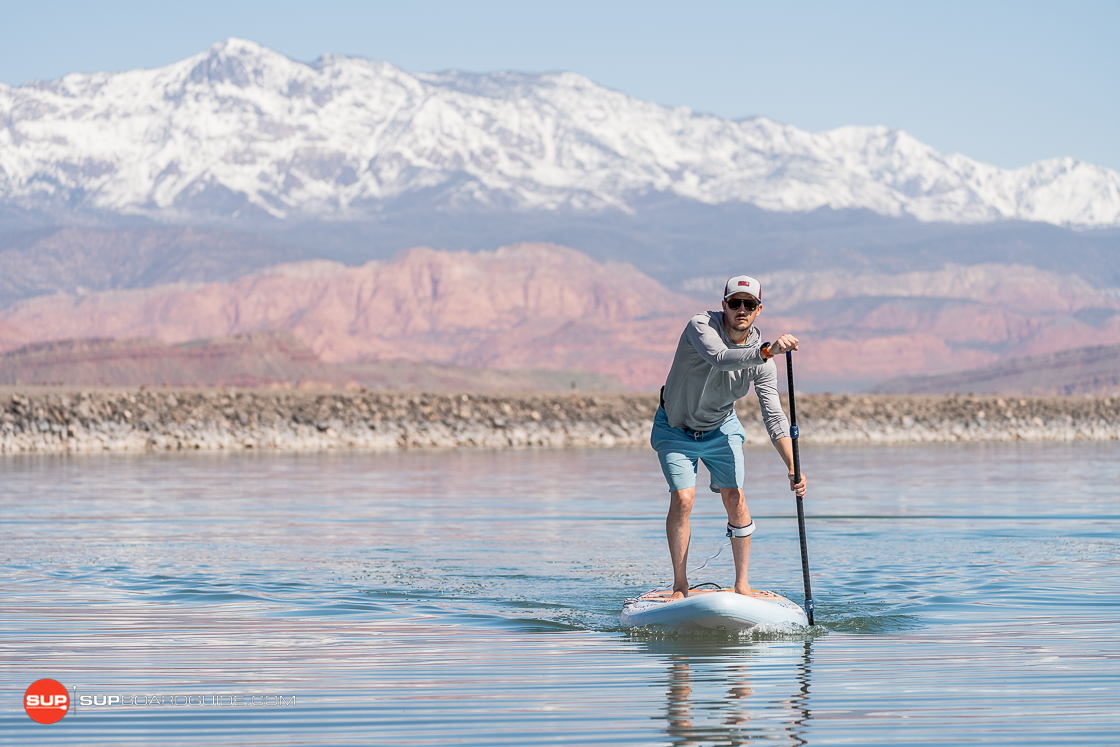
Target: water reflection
[{"x": 719, "y": 692}]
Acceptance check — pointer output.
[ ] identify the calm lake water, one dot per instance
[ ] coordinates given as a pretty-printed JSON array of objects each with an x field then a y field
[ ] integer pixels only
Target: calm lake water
[{"x": 965, "y": 595}]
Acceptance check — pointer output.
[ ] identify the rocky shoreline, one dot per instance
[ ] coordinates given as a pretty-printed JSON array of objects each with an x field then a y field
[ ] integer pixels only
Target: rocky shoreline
[
  {"x": 903, "y": 418},
  {"x": 67, "y": 419}
]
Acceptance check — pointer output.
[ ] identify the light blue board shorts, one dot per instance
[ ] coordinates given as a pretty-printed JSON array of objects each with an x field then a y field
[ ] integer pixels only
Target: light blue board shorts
[{"x": 679, "y": 450}]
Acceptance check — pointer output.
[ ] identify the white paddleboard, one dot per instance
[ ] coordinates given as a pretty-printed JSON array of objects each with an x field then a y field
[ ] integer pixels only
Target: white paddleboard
[{"x": 712, "y": 609}]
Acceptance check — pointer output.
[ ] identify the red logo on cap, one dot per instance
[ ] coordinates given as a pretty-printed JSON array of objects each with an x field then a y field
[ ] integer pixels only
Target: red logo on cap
[
  {"x": 46, "y": 701},
  {"x": 744, "y": 282}
]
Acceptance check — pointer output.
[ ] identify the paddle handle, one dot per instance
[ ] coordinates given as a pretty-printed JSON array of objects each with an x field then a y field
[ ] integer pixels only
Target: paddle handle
[{"x": 796, "y": 479}]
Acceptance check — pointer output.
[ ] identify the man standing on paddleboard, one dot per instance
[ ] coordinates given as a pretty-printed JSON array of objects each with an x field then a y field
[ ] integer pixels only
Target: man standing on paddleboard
[{"x": 719, "y": 354}]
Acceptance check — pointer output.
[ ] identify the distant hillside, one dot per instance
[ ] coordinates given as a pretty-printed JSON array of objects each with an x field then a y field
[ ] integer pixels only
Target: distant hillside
[
  {"x": 258, "y": 359},
  {"x": 537, "y": 306},
  {"x": 522, "y": 307},
  {"x": 1094, "y": 370},
  {"x": 78, "y": 260}
]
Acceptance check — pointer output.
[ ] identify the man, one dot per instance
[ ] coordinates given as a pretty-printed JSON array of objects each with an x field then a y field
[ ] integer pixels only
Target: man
[{"x": 719, "y": 354}]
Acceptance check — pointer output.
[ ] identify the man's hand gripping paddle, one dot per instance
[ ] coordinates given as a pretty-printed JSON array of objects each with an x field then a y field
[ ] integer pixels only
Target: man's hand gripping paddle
[{"x": 796, "y": 480}]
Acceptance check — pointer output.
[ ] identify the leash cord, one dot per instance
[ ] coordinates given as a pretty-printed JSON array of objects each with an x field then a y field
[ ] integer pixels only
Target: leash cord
[
  {"x": 697, "y": 570},
  {"x": 710, "y": 559}
]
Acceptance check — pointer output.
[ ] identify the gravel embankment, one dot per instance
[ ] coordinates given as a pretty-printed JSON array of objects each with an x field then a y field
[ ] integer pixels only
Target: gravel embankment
[
  {"x": 903, "y": 418},
  {"x": 61, "y": 419}
]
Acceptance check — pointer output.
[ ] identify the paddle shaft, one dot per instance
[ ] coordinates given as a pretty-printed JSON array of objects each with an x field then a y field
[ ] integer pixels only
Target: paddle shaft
[{"x": 797, "y": 479}]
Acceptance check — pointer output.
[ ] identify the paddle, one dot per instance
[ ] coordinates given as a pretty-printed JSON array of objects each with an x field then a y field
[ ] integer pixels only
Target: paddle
[{"x": 797, "y": 479}]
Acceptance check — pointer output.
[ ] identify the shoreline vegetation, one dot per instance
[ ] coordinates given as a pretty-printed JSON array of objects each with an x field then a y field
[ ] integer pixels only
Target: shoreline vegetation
[{"x": 71, "y": 419}]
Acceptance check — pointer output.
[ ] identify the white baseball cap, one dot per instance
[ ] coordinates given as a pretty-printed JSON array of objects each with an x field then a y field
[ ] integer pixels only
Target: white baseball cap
[{"x": 742, "y": 284}]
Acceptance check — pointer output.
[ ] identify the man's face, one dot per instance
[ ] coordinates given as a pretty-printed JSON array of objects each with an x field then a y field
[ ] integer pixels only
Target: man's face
[{"x": 742, "y": 318}]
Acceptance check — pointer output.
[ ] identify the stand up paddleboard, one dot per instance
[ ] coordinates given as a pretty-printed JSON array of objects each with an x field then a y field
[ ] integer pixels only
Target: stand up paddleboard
[{"x": 712, "y": 609}]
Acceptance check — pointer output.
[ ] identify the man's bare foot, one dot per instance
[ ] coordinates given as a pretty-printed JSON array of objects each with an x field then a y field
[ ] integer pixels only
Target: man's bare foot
[
  {"x": 678, "y": 594},
  {"x": 742, "y": 589}
]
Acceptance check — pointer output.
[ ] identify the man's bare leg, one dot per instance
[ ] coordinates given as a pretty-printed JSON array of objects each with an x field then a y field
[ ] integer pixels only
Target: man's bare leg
[
  {"x": 678, "y": 532},
  {"x": 738, "y": 515}
]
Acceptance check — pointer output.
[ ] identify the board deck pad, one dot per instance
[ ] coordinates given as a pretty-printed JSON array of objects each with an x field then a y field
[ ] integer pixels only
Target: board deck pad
[{"x": 712, "y": 609}]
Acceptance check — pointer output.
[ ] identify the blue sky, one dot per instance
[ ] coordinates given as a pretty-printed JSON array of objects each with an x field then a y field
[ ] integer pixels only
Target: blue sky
[{"x": 1003, "y": 82}]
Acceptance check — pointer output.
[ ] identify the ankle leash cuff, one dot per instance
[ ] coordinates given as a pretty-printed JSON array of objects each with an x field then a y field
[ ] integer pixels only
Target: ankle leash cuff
[{"x": 734, "y": 531}]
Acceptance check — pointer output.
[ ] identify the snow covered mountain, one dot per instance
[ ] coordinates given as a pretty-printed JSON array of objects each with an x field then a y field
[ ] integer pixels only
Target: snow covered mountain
[{"x": 243, "y": 131}]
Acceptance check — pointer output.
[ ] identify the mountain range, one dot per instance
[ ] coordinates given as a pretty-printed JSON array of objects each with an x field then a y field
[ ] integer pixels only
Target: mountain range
[
  {"x": 240, "y": 192},
  {"x": 242, "y": 131},
  {"x": 520, "y": 307},
  {"x": 545, "y": 307}
]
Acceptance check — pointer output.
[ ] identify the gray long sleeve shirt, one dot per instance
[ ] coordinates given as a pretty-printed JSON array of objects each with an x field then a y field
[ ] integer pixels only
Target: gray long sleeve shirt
[{"x": 710, "y": 372}]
